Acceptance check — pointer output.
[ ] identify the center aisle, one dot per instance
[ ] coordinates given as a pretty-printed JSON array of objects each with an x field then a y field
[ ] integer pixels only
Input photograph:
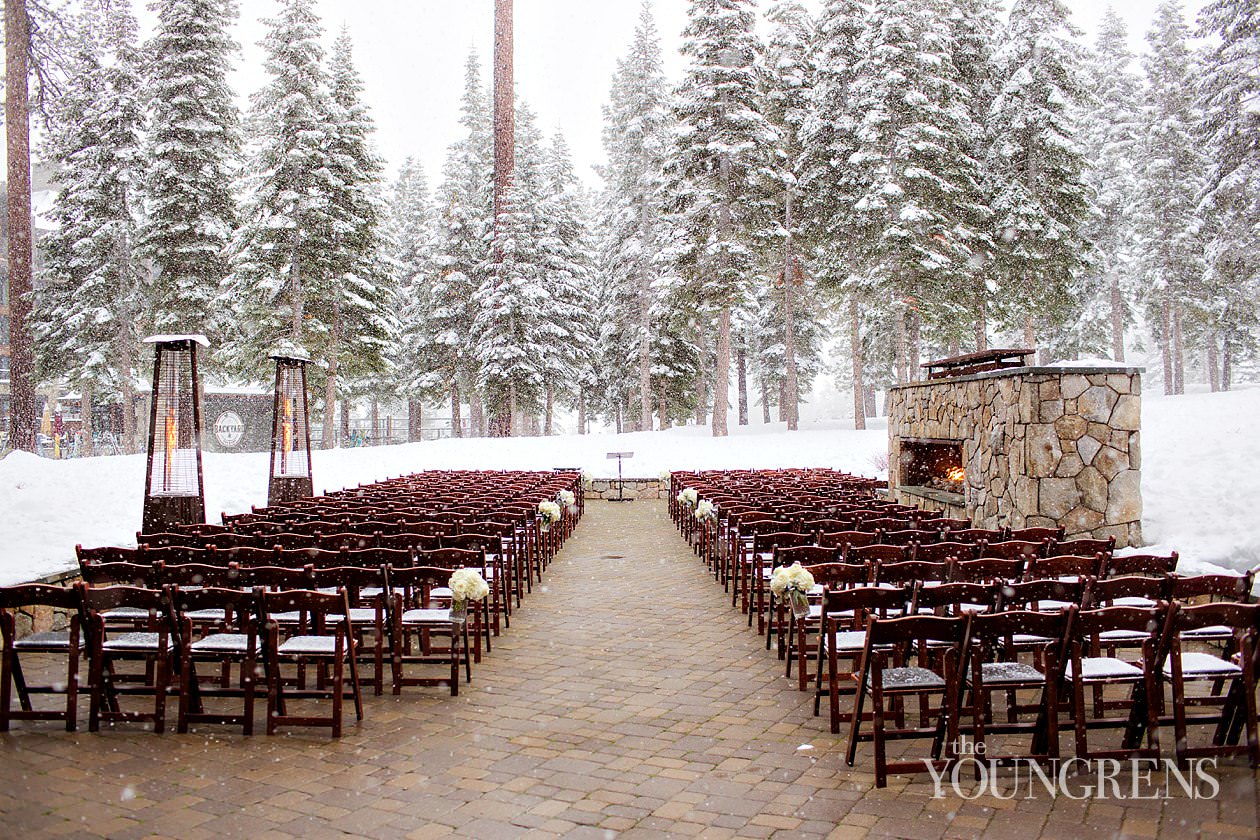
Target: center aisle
[{"x": 630, "y": 690}]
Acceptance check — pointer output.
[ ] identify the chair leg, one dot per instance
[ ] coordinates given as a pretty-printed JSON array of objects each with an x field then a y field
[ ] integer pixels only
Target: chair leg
[{"x": 72, "y": 685}]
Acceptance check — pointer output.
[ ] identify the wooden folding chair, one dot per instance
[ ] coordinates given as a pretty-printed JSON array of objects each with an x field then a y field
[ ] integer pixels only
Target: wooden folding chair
[
  {"x": 327, "y": 640},
  {"x": 416, "y": 619},
  {"x": 155, "y": 647},
  {"x": 237, "y": 642},
  {"x": 67, "y": 643},
  {"x": 912, "y": 656},
  {"x": 845, "y": 614}
]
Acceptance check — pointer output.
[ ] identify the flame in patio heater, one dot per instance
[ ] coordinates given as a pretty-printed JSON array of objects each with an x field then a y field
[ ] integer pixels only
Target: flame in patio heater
[
  {"x": 955, "y": 474},
  {"x": 286, "y": 434},
  {"x": 169, "y": 440}
]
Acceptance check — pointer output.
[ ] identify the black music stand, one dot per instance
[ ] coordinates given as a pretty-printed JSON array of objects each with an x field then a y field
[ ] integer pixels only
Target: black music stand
[{"x": 621, "y": 485}]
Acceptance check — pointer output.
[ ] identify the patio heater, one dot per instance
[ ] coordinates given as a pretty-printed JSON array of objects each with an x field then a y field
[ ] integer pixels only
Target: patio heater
[
  {"x": 290, "y": 476},
  {"x": 174, "y": 490}
]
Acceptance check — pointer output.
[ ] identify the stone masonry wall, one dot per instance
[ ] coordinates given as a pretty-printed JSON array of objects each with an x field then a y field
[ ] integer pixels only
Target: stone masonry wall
[
  {"x": 635, "y": 488},
  {"x": 1041, "y": 446}
]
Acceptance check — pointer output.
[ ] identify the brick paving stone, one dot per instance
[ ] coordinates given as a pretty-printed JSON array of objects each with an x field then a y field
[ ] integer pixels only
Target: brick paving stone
[{"x": 628, "y": 700}]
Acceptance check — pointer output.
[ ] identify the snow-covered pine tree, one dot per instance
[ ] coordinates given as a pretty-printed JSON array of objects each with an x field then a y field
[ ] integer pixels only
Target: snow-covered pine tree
[
  {"x": 84, "y": 319},
  {"x": 363, "y": 279},
  {"x": 636, "y": 139},
  {"x": 1110, "y": 139},
  {"x": 1171, "y": 179},
  {"x": 281, "y": 285},
  {"x": 412, "y": 229},
  {"x": 1231, "y": 132},
  {"x": 514, "y": 294},
  {"x": 974, "y": 25},
  {"x": 829, "y": 140},
  {"x": 920, "y": 210},
  {"x": 567, "y": 326},
  {"x": 720, "y": 144},
  {"x": 191, "y": 157},
  {"x": 1040, "y": 200},
  {"x": 787, "y": 82},
  {"x": 462, "y": 252}
]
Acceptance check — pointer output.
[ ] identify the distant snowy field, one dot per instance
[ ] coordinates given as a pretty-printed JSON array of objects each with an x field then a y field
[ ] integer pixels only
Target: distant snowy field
[{"x": 1200, "y": 481}]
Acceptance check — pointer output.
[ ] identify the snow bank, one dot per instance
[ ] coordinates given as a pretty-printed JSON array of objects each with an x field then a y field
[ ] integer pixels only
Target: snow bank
[{"x": 1201, "y": 475}]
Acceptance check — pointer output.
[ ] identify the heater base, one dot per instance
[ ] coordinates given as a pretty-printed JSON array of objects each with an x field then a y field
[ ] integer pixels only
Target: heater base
[
  {"x": 281, "y": 490},
  {"x": 166, "y": 513}
]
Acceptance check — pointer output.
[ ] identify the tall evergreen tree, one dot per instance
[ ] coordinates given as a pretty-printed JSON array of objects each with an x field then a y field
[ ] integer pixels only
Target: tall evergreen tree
[
  {"x": 85, "y": 316},
  {"x": 1231, "y": 203},
  {"x": 1040, "y": 201},
  {"x": 920, "y": 208},
  {"x": 719, "y": 150},
  {"x": 637, "y": 122},
  {"x": 1171, "y": 179},
  {"x": 191, "y": 156},
  {"x": 462, "y": 251},
  {"x": 1110, "y": 135}
]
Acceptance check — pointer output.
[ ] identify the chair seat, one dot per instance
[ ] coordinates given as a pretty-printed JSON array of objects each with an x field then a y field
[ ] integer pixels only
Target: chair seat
[
  {"x": 430, "y": 616},
  {"x": 1009, "y": 673},
  {"x": 308, "y": 646},
  {"x": 847, "y": 640},
  {"x": 293, "y": 617},
  {"x": 1216, "y": 631},
  {"x": 1030, "y": 639},
  {"x": 125, "y": 614},
  {"x": 141, "y": 642},
  {"x": 48, "y": 640},
  {"x": 215, "y": 614},
  {"x": 441, "y": 592},
  {"x": 1105, "y": 668},
  {"x": 1132, "y": 601},
  {"x": 358, "y": 615},
  {"x": 1123, "y": 636},
  {"x": 371, "y": 592},
  {"x": 1051, "y": 605},
  {"x": 225, "y": 643},
  {"x": 911, "y": 679},
  {"x": 1195, "y": 664}
]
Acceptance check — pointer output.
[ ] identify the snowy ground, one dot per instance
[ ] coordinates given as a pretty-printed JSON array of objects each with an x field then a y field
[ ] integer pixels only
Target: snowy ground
[{"x": 1201, "y": 477}]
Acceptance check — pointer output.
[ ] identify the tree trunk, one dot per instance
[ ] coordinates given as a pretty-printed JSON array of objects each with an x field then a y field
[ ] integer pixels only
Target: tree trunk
[
  {"x": 1178, "y": 353},
  {"x": 617, "y": 417},
  {"x": 855, "y": 345},
  {"x": 872, "y": 410},
  {"x": 1117, "y": 320},
  {"x": 722, "y": 373},
  {"x": 791, "y": 270},
  {"x": 128, "y": 441},
  {"x": 645, "y": 359},
  {"x": 85, "y": 416},
  {"x": 457, "y": 420},
  {"x": 295, "y": 288},
  {"x": 581, "y": 418},
  {"x": 981, "y": 328},
  {"x": 662, "y": 409},
  {"x": 415, "y": 421},
  {"x": 1030, "y": 333},
  {"x": 513, "y": 415},
  {"x": 375, "y": 409},
  {"x": 476, "y": 414},
  {"x": 899, "y": 343},
  {"x": 551, "y": 396},
  {"x": 330, "y": 387},
  {"x": 782, "y": 401},
  {"x": 741, "y": 379},
  {"x": 345, "y": 419},
  {"x": 702, "y": 394},
  {"x": 1227, "y": 364},
  {"x": 1213, "y": 360},
  {"x": 955, "y": 348},
  {"x": 765, "y": 400},
  {"x": 504, "y": 161},
  {"x": 913, "y": 352},
  {"x": 1165, "y": 342},
  {"x": 22, "y": 421}
]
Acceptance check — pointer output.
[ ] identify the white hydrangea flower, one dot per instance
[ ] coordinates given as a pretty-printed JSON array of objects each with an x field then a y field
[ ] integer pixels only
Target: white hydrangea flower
[
  {"x": 689, "y": 496},
  {"x": 549, "y": 510},
  {"x": 468, "y": 585}
]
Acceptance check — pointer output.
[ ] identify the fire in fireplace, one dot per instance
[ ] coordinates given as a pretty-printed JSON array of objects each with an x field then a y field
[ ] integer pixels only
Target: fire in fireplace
[{"x": 932, "y": 463}]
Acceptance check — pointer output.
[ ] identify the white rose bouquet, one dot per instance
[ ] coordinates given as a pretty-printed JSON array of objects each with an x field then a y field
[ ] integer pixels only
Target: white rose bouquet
[
  {"x": 705, "y": 510},
  {"x": 793, "y": 583},
  {"x": 466, "y": 585},
  {"x": 689, "y": 497},
  {"x": 548, "y": 514},
  {"x": 567, "y": 498}
]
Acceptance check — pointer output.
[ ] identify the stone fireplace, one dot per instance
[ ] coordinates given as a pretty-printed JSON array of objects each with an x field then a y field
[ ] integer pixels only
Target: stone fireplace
[{"x": 1037, "y": 446}]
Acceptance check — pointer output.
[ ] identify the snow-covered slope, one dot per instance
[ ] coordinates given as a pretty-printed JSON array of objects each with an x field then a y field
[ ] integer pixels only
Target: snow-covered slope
[{"x": 1201, "y": 477}]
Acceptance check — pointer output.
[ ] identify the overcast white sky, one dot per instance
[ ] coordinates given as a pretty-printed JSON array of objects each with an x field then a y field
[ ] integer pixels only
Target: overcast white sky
[{"x": 411, "y": 54}]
